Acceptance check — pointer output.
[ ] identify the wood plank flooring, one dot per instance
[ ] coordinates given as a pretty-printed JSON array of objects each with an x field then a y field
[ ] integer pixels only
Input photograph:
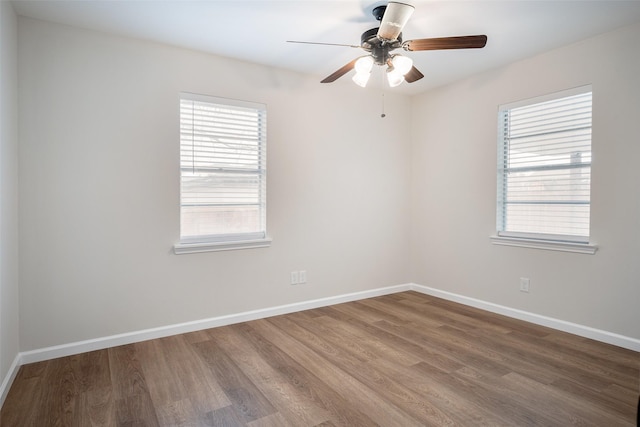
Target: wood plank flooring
[{"x": 405, "y": 359}]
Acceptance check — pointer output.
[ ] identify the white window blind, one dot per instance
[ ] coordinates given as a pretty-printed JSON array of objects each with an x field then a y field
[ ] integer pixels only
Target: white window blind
[
  {"x": 222, "y": 169},
  {"x": 544, "y": 167}
]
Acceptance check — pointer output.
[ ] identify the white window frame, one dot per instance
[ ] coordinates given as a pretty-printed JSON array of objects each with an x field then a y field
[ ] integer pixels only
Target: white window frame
[
  {"x": 201, "y": 242},
  {"x": 563, "y": 242}
]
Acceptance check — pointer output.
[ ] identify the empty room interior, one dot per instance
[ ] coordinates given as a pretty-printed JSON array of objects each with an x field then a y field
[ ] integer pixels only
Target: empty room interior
[{"x": 197, "y": 229}]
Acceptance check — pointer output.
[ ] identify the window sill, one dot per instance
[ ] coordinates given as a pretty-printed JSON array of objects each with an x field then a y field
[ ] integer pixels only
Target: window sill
[
  {"x": 550, "y": 245},
  {"x": 191, "y": 248}
]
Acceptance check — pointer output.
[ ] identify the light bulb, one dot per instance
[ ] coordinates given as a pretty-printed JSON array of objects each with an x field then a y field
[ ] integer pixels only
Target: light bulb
[
  {"x": 394, "y": 77},
  {"x": 361, "y": 79},
  {"x": 402, "y": 63},
  {"x": 364, "y": 64}
]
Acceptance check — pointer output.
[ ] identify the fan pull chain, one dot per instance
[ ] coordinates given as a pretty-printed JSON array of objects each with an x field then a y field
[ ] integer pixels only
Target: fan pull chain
[{"x": 382, "y": 114}]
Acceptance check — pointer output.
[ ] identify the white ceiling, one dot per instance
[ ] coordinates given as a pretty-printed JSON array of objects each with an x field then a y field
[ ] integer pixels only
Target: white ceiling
[{"x": 257, "y": 30}]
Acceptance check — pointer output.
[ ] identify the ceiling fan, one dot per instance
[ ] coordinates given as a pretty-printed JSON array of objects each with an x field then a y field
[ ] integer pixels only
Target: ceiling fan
[{"x": 380, "y": 42}]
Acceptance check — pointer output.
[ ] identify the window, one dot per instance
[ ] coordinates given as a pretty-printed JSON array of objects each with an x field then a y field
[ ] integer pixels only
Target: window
[
  {"x": 222, "y": 174},
  {"x": 544, "y": 168}
]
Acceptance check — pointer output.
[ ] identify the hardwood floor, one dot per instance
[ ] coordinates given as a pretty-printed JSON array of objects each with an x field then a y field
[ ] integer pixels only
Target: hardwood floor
[{"x": 398, "y": 360}]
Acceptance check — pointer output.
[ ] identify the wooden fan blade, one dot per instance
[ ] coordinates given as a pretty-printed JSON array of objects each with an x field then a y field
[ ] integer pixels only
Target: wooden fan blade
[
  {"x": 461, "y": 42},
  {"x": 393, "y": 21},
  {"x": 341, "y": 72},
  {"x": 413, "y": 75}
]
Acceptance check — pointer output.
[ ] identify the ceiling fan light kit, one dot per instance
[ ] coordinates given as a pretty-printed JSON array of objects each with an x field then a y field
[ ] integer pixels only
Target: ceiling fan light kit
[
  {"x": 402, "y": 63},
  {"x": 364, "y": 64},
  {"x": 363, "y": 67},
  {"x": 394, "y": 78},
  {"x": 380, "y": 42},
  {"x": 361, "y": 79}
]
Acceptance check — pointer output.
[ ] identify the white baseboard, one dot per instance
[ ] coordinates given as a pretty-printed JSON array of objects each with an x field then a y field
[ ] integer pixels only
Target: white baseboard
[
  {"x": 197, "y": 325},
  {"x": 165, "y": 331},
  {"x": 561, "y": 325},
  {"x": 70, "y": 349},
  {"x": 78, "y": 347},
  {"x": 8, "y": 379}
]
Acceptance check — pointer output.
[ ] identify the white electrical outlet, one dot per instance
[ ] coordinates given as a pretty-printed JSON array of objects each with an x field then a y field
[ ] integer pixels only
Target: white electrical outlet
[
  {"x": 298, "y": 277},
  {"x": 524, "y": 284}
]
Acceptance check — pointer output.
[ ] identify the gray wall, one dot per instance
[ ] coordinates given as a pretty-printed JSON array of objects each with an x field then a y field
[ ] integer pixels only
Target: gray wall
[
  {"x": 454, "y": 189},
  {"x": 9, "y": 343},
  {"x": 357, "y": 201},
  {"x": 99, "y": 188}
]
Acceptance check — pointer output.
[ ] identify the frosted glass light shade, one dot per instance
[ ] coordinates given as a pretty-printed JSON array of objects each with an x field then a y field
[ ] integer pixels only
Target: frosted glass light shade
[
  {"x": 402, "y": 64},
  {"x": 361, "y": 79},
  {"x": 394, "y": 77},
  {"x": 364, "y": 64}
]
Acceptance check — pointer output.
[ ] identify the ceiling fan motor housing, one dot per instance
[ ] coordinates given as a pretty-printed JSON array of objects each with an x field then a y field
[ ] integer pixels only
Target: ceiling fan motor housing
[{"x": 379, "y": 49}]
